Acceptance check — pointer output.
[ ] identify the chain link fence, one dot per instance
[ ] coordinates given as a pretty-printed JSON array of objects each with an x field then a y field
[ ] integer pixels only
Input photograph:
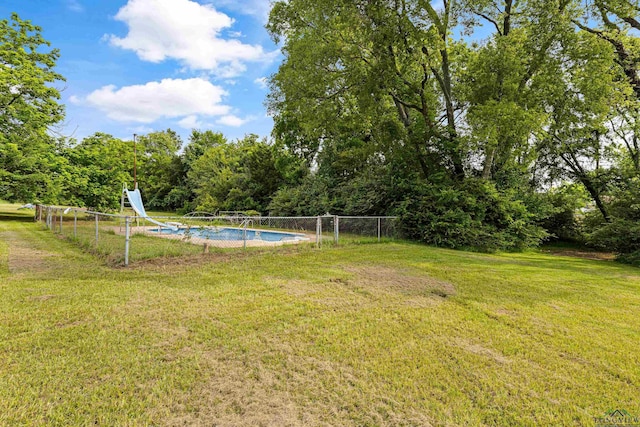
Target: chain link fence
[{"x": 124, "y": 238}]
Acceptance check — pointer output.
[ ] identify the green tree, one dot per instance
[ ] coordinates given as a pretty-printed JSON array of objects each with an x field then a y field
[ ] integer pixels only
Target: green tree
[
  {"x": 242, "y": 175},
  {"x": 28, "y": 108},
  {"x": 160, "y": 168},
  {"x": 369, "y": 69},
  {"x": 97, "y": 168}
]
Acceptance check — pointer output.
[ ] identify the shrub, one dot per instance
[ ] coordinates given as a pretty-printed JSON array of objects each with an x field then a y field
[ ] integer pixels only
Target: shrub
[
  {"x": 468, "y": 215},
  {"x": 622, "y": 233},
  {"x": 561, "y": 220}
]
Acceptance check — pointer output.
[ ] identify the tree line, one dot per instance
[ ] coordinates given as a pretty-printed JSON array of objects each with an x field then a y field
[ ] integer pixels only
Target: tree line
[{"x": 484, "y": 124}]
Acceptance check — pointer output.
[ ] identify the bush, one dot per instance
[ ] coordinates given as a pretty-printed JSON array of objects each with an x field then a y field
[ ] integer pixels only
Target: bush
[
  {"x": 561, "y": 221},
  {"x": 307, "y": 199},
  {"x": 632, "y": 258},
  {"x": 469, "y": 215},
  {"x": 622, "y": 233}
]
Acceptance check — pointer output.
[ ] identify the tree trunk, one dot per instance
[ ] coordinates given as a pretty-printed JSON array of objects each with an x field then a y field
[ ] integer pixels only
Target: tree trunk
[{"x": 595, "y": 195}]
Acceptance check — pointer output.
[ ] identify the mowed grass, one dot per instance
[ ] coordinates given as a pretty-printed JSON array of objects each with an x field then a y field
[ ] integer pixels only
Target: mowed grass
[{"x": 371, "y": 334}]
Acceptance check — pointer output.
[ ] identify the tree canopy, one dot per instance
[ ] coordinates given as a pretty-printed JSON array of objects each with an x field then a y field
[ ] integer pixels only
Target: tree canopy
[
  {"x": 29, "y": 107},
  {"x": 482, "y": 124}
]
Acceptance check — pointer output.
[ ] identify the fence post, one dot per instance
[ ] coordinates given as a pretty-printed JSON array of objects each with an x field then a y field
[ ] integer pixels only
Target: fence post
[
  {"x": 244, "y": 236},
  {"x": 319, "y": 232},
  {"x": 336, "y": 229},
  {"x": 61, "y": 213},
  {"x": 127, "y": 237},
  {"x": 378, "y": 229},
  {"x": 96, "y": 216},
  {"x": 75, "y": 223}
]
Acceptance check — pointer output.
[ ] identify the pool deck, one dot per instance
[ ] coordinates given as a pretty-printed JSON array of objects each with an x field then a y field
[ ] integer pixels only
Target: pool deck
[{"x": 147, "y": 231}]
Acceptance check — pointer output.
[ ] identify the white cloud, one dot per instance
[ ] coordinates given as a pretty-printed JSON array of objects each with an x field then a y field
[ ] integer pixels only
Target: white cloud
[
  {"x": 75, "y": 100},
  {"x": 232, "y": 121},
  {"x": 257, "y": 8},
  {"x": 191, "y": 122},
  {"x": 169, "y": 98},
  {"x": 262, "y": 82},
  {"x": 187, "y": 32},
  {"x": 75, "y": 6}
]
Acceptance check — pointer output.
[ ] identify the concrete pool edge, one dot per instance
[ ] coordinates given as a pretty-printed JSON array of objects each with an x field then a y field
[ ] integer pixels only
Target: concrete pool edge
[{"x": 147, "y": 231}]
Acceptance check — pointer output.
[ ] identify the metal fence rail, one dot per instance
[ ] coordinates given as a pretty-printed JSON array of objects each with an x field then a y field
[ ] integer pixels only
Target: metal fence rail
[{"x": 126, "y": 237}]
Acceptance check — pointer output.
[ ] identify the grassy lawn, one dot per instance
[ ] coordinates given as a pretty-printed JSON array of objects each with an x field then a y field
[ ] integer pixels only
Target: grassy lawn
[{"x": 370, "y": 334}]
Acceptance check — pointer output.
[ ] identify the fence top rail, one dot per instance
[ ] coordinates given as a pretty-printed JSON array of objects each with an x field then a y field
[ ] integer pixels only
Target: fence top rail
[
  {"x": 213, "y": 218},
  {"x": 366, "y": 217}
]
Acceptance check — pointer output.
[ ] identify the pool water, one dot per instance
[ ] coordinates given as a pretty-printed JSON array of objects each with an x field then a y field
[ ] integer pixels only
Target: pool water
[{"x": 222, "y": 233}]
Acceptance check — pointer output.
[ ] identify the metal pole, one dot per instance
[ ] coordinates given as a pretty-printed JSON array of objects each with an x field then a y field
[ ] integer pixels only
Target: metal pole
[
  {"x": 75, "y": 223},
  {"x": 378, "y": 229},
  {"x": 135, "y": 160},
  {"x": 61, "y": 213},
  {"x": 127, "y": 237},
  {"x": 96, "y": 229},
  {"x": 336, "y": 228},
  {"x": 319, "y": 232}
]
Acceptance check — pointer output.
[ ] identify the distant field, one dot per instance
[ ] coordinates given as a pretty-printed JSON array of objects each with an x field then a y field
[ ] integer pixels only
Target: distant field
[{"x": 373, "y": 334}]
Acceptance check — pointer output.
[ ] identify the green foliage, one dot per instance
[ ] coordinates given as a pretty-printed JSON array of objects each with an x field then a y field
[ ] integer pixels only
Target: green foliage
[
  {"x": 622, "y": 233},
  {"x": 471, "y": 215},
  {"x": 237, "y": 176},
  {"x": 632, "y": 258},
  {"x": 29, "y": 167},
  {"x": 379, "y": 107},
  {"x": 28, "y": 99},
  {"x": 562, "y": 221},
  {"x": 309, "y": 198},
  {"x": 97, "y": 168},
  {"x": 32, "y": 171},
  {"x": 160, "y": 170}
]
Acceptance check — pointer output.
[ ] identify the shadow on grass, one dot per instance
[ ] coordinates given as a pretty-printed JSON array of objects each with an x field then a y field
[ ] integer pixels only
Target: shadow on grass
[{"x": 17, "y": 216}]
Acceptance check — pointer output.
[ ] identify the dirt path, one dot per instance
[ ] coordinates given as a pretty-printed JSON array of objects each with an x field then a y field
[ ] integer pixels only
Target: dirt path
[
  {"x": 601, "y": 256},
  {"x": 24, "y": 257}
]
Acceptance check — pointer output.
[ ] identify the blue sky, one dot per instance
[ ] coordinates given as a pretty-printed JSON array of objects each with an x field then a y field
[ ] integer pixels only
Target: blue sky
[{"x": 135, "y": 66}]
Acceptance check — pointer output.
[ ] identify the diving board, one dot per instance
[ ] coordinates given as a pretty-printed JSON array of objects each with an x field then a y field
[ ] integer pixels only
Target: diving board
[{"x": 135, "y": 200}]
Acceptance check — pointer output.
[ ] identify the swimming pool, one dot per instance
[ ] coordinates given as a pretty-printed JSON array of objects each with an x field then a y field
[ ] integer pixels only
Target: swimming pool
[{"x": 232, "y": 234}]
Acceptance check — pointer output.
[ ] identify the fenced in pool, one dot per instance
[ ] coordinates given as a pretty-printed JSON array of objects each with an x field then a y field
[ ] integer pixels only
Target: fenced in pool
[{"x": 124, "y": 238}]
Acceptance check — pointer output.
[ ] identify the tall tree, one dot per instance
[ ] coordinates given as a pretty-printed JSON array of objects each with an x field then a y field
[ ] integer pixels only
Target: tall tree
[
  {"x": 97, "y": 168},
  {"x": 161, "y": 169},
  {"x": 28, "y": 108},
  {"x": 617, "y": 22},
  {"x": 358, "y": 69},
  {"x": 510, "y": 77}
]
